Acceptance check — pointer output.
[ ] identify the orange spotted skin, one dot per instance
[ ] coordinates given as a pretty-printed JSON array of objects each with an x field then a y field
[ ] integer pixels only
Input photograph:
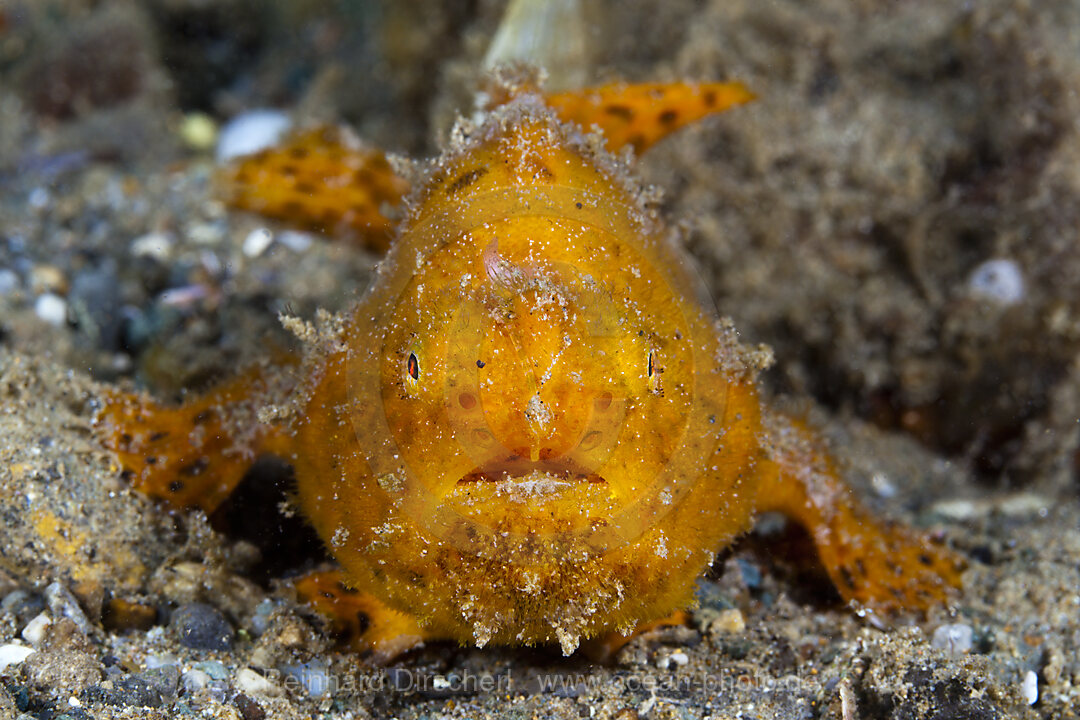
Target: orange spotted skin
[
  {"x": 322, "y": 179},
  {"x": 360, "y": 621},
  {"x": 642, "y": 115},
  {"x": 531, "y": 430},
  {"x": 195, "y": 455}
]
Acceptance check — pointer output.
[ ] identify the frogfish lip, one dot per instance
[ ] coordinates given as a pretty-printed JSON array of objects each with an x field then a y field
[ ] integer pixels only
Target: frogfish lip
[{"x": 515, "y": 466}]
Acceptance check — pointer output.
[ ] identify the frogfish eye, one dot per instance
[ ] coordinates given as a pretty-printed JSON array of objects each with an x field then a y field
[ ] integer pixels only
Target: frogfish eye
[
  {"x": 653, "y": 370},
  {"x": 412, "y": 367}
]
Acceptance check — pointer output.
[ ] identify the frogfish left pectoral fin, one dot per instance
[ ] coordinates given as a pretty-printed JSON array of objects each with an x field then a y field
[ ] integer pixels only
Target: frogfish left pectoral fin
[{"x": 875, "y": 565}]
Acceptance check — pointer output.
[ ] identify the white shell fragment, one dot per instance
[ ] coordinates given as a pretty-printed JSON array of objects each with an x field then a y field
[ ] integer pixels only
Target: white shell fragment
[
  {"x": 256, "y": 242},
  {"x": 251, "y": 132},
  {"x": 999, "y": 281},
  {"x": 1029, "y": 688},
  {"x": 955, "y": 639},
  {"x": 34, "y": 632},
  {"x": 12, "y": 654},
  {"x": 546, "y": 33},
  {"x": 51, "y": 308}
]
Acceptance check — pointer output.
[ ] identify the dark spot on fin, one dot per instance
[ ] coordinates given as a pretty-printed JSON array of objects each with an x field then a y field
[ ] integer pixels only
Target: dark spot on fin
[
  {"x": 363, "y": 622},
  {"x": 466, "y": 179},
  {"x": 620, "y": 111}
]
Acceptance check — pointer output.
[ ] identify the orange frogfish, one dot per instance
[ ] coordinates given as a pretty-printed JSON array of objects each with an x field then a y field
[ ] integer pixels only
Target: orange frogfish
[{"x": 531, "y": 429}]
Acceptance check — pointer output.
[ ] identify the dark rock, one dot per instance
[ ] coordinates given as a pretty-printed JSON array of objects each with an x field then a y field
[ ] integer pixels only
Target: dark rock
[
  {"x": 63, "y": 604},
  {"x": 202, "y": 627},
  {"x": 73, "y": 714},
  {"x": 165, "y": 679},
  {"x": 248, "y": 708},
  {"x": 94, "y": 300},
  {"x": 131, "y": 690}
]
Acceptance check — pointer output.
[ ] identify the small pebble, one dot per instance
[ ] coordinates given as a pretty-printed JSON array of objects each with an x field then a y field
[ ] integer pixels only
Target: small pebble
[
  {"x": 130, "y": 691},
  {"x": 165, "y": 680},
  {"x": 34, "y": 632},
  {"x": 204, "y": 233},
  {"x": 153, "y": 245},
  {"x": 51, "y": 308},
  {"x": 38, "y": 199},
  {"x": 47, "y": 279},
  {"x": 959, "y": 509},
  {"x": 256, "y": 242},
  {"x": 63, "y": 604},
  {"x": 198, "y": 131},
  {"x": 1023, "y": 503},
  {"x": 296, "y": 241},
  {"x": 250, "y": 682},
  {"x": 260, "y": 619},
  {"x": 248, "y": 708},
  {"x": 955, "y": 639},
  {"x": 153, "y": 662},
  {"x": 313, "y": 677},
  {"x": 94, "y": 302},
  {"x": 194, "y": 680},
  {"x": 751, "y": 573},
  {"x": 883, "y": 486},
  {"x": 728, "y": 621},
  {"x": 202, "y": 627},
  {"x": 183, "y": 296},
  {"x": 251, "y": 132},
  {"x": 1029, "y": 688},
  {"x": 213, "y": 669},
  {"x": 998, "y": 281},
  {"x": 11, "y": 654},
  {"x": 1026, "y": 504},
  {"x": 210, "y": 262},
  {"x": 9, "y": 281}
]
